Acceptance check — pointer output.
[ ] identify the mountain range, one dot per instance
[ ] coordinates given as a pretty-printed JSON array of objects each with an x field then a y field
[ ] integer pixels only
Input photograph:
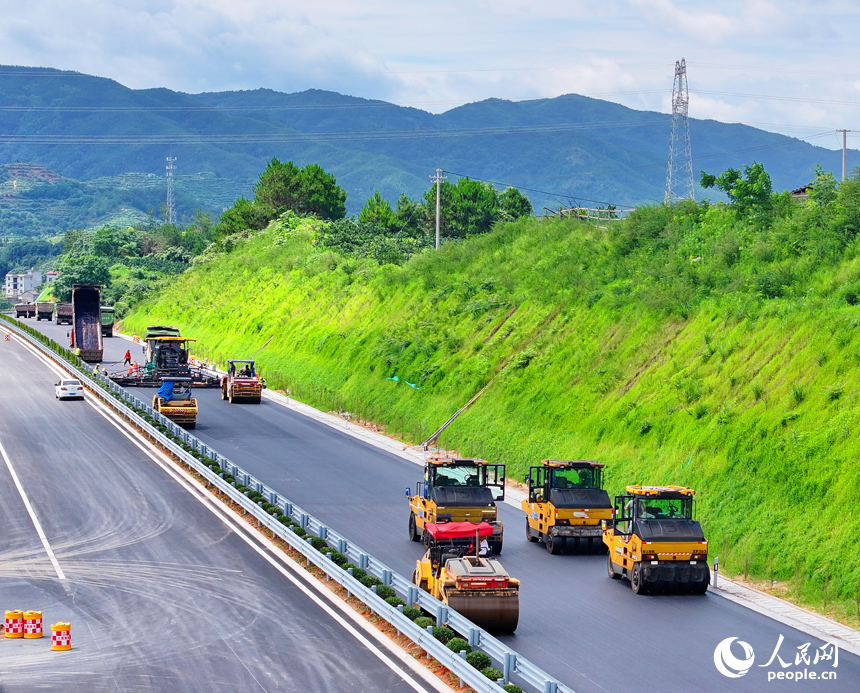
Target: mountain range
[{"x": 89, "y": 133}]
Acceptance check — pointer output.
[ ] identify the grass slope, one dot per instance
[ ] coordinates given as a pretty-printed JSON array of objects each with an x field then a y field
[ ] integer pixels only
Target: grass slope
[{"x": 665, "y": 349}]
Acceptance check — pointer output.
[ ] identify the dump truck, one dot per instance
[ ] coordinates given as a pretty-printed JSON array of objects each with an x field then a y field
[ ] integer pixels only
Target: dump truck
[
  {"x": 44, "y": 310},
  {"x": 476, "y": 586},
  {"x": 64, "y": 313},
  {"x": 457, "y": 490},
  {"x": 86, "y": 321},
  {"x": 24, "y": 310},
  {"x": 107, "y": 314},
  {"x": 566, "y": 504},
  {"x": 655, "y": 542},
  {"x": 175, "y": 401},
  {"x": 242, "y": 384}
]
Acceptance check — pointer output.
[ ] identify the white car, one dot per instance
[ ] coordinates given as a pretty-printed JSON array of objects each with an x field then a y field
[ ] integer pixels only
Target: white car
[{"x": 69, "y": 389}]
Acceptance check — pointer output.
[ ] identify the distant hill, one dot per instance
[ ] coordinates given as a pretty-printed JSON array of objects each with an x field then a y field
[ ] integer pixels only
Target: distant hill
[{"x": 92, "y": 130}]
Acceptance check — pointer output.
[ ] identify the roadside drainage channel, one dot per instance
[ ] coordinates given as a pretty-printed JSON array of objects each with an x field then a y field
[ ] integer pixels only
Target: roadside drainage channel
[{"x": 512, "y": 664}]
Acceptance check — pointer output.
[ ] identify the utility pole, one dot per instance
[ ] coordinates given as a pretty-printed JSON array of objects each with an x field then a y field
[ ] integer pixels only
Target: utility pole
[
  {"x": 844, "y": 153},
  {"x": 679, "y": 177},
  {"x": 171, "y": 206},
  {"x": 438, "y": 178}
]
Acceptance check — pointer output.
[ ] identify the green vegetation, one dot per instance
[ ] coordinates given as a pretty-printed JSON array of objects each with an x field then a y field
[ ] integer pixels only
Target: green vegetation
[{"x": 689, "y": 344}]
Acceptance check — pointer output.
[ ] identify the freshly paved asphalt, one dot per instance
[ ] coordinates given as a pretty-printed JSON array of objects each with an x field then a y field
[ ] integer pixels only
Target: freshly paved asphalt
[
  {"x": 161, "y": 595},
  {"x": 577, "y": 624}
]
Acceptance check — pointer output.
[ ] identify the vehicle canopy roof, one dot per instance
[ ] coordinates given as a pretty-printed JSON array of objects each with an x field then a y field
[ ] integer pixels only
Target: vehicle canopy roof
[
  {"x": 174, "y": 338},
  {"x": 572, "y": 464},
  {"x": 108, "y": 309},
  {"x": 251, "y": 361},
  {"x": 456, "y": 462},
  {"x": 661, "y": 491},
  {"x": 458, "y": 530},
  {"x": 176, "y": 379}
]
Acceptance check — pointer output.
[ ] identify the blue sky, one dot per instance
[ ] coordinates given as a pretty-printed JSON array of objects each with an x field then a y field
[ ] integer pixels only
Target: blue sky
[{"x": 789, "y": 66}]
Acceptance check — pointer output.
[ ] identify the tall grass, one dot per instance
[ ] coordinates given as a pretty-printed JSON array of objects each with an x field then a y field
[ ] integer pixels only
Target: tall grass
[{"x": 610, "y": 345}]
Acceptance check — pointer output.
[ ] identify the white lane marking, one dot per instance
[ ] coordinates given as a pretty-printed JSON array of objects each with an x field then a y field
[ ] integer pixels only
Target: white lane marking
[
  {"x": 247, "y": 535},
  {"x": 39, "y": 531}
]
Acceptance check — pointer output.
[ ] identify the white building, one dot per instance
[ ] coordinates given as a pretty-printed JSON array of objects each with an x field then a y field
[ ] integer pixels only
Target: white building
[{"x": 17, "y": 284}]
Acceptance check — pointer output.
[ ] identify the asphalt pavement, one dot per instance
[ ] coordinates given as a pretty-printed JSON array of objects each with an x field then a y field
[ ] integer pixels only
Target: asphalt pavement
[
  {"x": 161, "y": 594},
  {"x": 576, "y": 623}
]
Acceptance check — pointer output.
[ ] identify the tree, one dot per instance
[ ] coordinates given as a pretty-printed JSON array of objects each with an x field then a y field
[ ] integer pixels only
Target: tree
[
  {"x": 413, "y": 218},
  {"x": 308, "y": 190},
  {"x": 748, "y": 191},
  {"x": 378, "y": 211},
  {"x": 81, "y": 269},
  {"x": 513, "y": 204},
  {"x": 244, "y": 215}
]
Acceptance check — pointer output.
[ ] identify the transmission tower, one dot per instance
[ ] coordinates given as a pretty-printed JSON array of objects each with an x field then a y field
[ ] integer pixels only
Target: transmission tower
[
  {"x": 171, "y": 206},
  {"x": 679, "y": 178}
]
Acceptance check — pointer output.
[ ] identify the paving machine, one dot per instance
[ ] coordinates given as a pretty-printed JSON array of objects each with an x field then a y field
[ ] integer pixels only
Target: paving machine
[
  {"x": 175, "y": 401},
  {"x": 476, "y": 586},
  {"x": 242, "y": 384},
  {"x": 457, "y": 490},
  {"x": 655, "y": 542},
  {"x": 167, "y": 355},
  {"x": 566, "y": 504}
]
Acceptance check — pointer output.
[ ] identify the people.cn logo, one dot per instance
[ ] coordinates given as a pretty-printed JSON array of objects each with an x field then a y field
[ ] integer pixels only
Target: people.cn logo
[{"x": 729, "y": 665}]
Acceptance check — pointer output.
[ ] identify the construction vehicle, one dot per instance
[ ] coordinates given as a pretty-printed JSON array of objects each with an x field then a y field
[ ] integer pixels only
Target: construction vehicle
[
  {"x": 44, "y": 310},
  {"x": 107, "y": 314},
  {"x": 242, "y": 384},
  {"x": 655, "y": 542},
  {"x": 167, "y": 354},
  {"x": 457, "y": 490},
  {"x": 566, "y": 504},
  {"x": 86, "y": 321},
  {"x": 64, "y": 313},
  {"x": 476, "y": 586},
  {"x": 175, "y": 401},
  {"x": 24, "y": 310}
]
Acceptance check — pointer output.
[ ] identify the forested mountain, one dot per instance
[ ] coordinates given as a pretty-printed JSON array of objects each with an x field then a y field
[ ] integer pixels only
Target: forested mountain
[{"x": 572, "y": 148}]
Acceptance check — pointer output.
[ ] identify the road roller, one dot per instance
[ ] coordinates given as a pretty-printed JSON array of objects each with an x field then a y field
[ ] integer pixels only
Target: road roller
[
  {"x": 477, "y": 586},
  {"x": 655, "y": 542},
  {"x": 457, "y": 490},
  {"x": 175, "y": 401},
  {"x": 566, "y": 504}
]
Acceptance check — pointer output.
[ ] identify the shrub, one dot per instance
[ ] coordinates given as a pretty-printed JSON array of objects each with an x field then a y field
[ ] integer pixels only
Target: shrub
[
  {"x": 512, "y": 688},
  {"x": 318, "y": 543},
  {"x": 424, "y": 621},
  {"x": 443, "y": 634},
  {"x": 326, "y": 550},
  {"x": 458, "y": 645},
  {"x": 357, "y": 573},
  {"x": 479, "y": 660},
  {"x": 645, "y": 427},
  {"x": 298, "y": 530},
  {"x": 798, "y": 393},
  {"x": 338, "y": 558},
  {"x": 284, "y": 520},
  {"x": 492, "y": 673},
  {"x": 412, "y": 613},
  {"x": 757, "y": 390},
  {"x": 394, "y": 601},
  {"x": 385, "y": 591},
  {"x": 369, "y": 580},
  {"x": 834, "y": 392},
  {"x": 270, "y": 508}
]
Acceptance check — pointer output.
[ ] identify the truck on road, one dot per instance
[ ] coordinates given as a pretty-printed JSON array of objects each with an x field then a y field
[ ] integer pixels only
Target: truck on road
[
  {"x": 64, "y": 313},
  {"x": 107, "y": 318},
  {"x": 44, "y": 310},
  {"x": 86, "y": 321},
  {"x": 24, "y": 310}
]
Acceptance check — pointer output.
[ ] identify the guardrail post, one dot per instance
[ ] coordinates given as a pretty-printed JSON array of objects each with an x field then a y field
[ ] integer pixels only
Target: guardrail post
[
  {"x": 323, "y": 532},
  {"x": 341, "y": 546},
  {"x": 474, "y": 638},
  {"x": 204, "y": 450},
  {"x": 308, "y": 558},
  {"x": 550, "y": 687},
  {"x": 509, "y": 665},
  {"x": 441, "y": 615},
  {"x": 303, "y": 521},
  {"x": 363, "y": 560},
  {"x": 258, "y": 487},
  {"x": 386, "y": 577},
  {"x": 288, "y": 509},
  {"x": 412, "y": 597},
  {"x": 273, "y": 498}
]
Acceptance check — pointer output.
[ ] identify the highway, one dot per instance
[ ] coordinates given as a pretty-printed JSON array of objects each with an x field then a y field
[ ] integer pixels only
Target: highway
[
  {"x": 577, "y": 624},
  {"x": 161, "y": 593}
]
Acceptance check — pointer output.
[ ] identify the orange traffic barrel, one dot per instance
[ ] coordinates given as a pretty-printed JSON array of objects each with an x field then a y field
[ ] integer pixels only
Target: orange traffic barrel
[
  {"x": 61, "y": 636},
  {"x": 15, "y": 624},
  {"x": 33, "y": 624}
]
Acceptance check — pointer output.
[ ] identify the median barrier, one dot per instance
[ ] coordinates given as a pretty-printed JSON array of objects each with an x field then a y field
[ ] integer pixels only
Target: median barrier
[
  {"x": 204, "y": 461},
  {"x": 33, "y": 624},
  {"x": 14, "y": 624}
]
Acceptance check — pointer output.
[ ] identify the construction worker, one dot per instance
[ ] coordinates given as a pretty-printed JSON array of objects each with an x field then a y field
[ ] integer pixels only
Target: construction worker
[
  {"x": 78, "y": 352},
  {"x": 127, "y": 359}
]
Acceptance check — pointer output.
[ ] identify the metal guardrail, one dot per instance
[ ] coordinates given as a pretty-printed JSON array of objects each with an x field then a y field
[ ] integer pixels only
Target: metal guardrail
[{"x": 512, "y": 664}]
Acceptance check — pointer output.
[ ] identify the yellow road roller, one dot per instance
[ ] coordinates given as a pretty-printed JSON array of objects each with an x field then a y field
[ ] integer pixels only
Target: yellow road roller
[
  {"x": 477, "y": 586},
  {"x": 175, "y": 401},
  {"x": 655, "y": 542}
]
